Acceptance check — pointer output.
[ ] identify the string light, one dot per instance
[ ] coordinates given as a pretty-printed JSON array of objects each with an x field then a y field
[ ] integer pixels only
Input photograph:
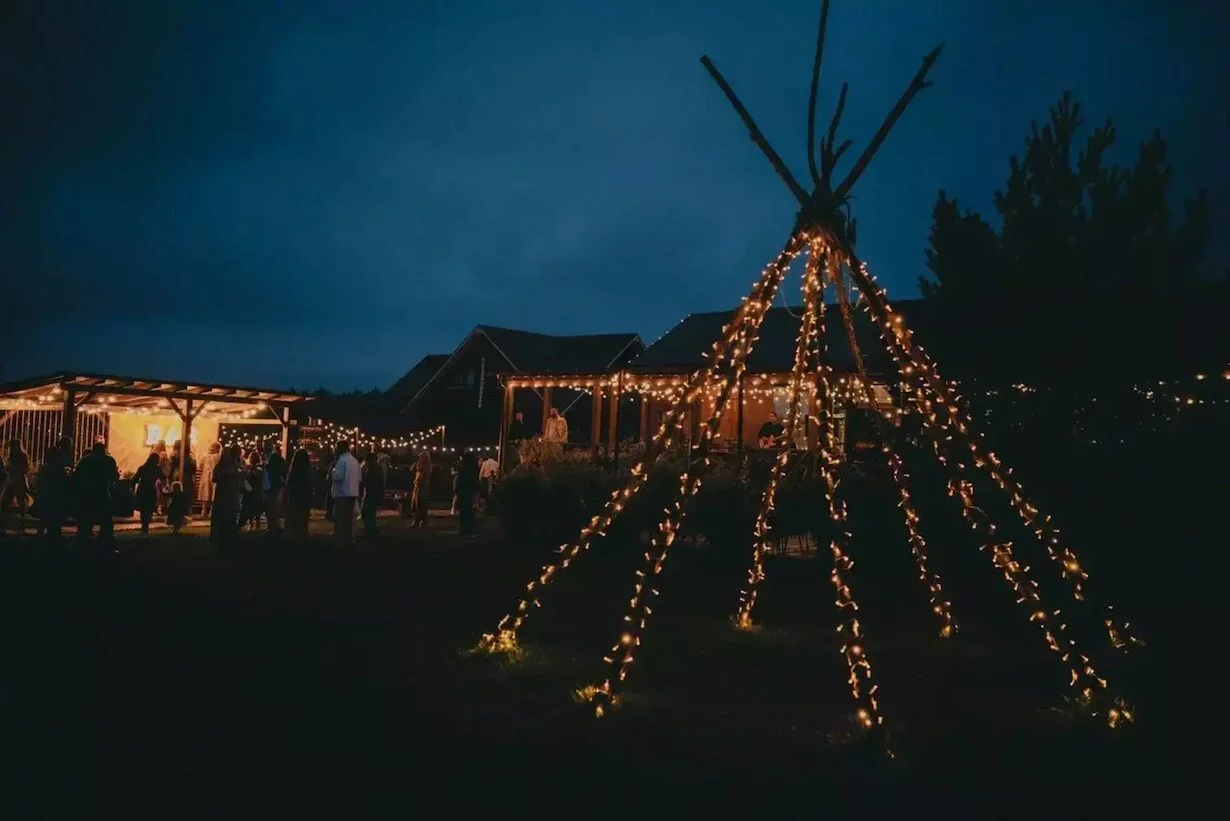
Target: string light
[
  {"x": 940, "y": 606},
  {"x": 332, "y": 434},
  {"x": 732, "y": 344},
  {"x": 803, "y": 344},
  {"x": 1070, "y": 568},
  {"x": 623, "y": 653},
  {"x": 915, "y": 364},
  {"x": 857, "y": 662}
]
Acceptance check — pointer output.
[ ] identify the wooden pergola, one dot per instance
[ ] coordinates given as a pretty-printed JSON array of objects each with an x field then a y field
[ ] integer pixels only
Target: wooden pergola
[{"x": 72, "y": 393}]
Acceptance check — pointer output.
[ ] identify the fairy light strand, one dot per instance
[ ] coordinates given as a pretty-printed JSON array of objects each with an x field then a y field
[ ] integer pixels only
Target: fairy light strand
[
  {"x": 623, "y": 653},
  {"x": 862, "y": 687},
  {"x": 940, "y": 423},
  {"x": 940, "y": 606},
  {"x": 764, "y": 515},
  {"x": 732, "y": 344},
  {"x": 1047, "y": 534}
]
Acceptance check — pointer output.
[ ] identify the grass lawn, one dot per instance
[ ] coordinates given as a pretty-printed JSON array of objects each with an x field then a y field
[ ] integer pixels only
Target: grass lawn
[{"x": 275, "y": 681}]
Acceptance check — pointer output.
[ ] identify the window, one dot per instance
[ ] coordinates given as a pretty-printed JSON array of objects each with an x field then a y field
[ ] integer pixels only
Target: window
[{"x": 465, "y": 377}]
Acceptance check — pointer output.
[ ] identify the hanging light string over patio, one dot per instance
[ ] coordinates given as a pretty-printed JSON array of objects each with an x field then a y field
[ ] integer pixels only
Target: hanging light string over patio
[
  {"x": 899, "y": 337},
  {"x": 940, "y": 606},
  {"x": 732, "y": 344},
  {"x": 332, "y": 434},
  {"x": 764, "y": 515}
]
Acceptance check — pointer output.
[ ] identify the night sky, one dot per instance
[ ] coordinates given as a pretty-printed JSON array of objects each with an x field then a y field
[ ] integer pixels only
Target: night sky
[{"x": 319, "y": 192}]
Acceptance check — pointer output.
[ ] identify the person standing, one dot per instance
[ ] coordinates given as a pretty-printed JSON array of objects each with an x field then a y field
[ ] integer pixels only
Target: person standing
[
  {"x": 556, "y": 429},
  {"x": 422, "y": 489},
  {"x": 486, "y": 476},
  {"x": 148, "y": 486},
  {"x": 346, "y": 478},
  {"x": 54, "y": 483},
  {"x": 373, "y": 493},
  {"x": 467, "y": 489},
  {"x": 274, "y": 481},
  {"x": 228, "y": 482},
  {"x": 93, "y": 479},
  {"x": 205, "y": 488},
  {"x": 16, "y": 488},
  {"x": 299, "y": 486}
]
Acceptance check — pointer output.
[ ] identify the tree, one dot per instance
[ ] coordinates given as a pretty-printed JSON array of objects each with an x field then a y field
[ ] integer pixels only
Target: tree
[{"x": 1083, "y": 277}]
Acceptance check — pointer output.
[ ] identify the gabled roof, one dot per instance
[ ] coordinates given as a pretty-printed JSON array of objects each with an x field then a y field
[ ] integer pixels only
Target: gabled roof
[
  {"x": 418, "y": 376},
  {"x": 544, "y": 353},
  {"x": 682, "y": 347},
  {"x": 526, "y": 351}
]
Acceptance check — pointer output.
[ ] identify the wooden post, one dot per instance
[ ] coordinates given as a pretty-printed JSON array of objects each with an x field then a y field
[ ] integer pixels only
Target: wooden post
[
  {"x": 185, "y": 442},
  {"x": 284, "y": 418},
  {"x": 595, "y": 421},
  {"x": 739, "y": 420},
  {"x": 644, "y": 431},
  {"x": 505, "y": 420},
  {"x": 68, "y": 420},
  {"x": 613, "y": 422},
  {"x": 546, "y": 409}
]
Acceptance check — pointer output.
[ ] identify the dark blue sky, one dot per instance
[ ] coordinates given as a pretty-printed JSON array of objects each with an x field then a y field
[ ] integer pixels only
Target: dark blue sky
[{"x": 302, "y": 193}]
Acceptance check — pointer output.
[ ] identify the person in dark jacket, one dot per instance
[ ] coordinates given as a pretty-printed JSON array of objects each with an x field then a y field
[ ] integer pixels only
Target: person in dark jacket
[
  {"x": 54, "y": 485},
  {"x": 148, "y": 488},
  {"x": 93, "y": 480},
  {"x": 373, "y": 493},
  {"x": 467, "y": 489},
  {"x": 274, "y": 480},
  {"x": 299, "y": 486}
]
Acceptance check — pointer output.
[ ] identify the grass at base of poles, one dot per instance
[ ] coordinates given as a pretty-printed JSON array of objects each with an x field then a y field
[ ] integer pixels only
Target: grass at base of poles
[{"x": 503, "y": 643}]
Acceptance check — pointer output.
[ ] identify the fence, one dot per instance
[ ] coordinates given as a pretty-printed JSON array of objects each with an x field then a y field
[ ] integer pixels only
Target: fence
[{"x": 39, "y": 430}]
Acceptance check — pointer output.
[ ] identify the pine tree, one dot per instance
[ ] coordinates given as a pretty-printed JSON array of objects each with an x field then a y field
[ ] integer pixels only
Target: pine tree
[{"x": 1080, "y": 279}]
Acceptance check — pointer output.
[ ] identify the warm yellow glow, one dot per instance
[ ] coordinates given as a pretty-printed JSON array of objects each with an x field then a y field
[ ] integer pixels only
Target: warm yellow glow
[{"x": 154, "y": 434}]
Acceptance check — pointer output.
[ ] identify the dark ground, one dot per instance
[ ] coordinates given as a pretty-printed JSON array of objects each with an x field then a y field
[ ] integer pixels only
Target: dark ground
[{"x": 167, "y": 679}]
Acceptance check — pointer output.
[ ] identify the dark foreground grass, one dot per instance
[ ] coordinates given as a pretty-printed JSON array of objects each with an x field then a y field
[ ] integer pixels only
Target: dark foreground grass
[{"x": 283, "y": 682}]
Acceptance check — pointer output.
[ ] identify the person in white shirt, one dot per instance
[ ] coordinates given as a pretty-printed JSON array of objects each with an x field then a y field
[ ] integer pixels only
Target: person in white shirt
[
  {"x": 487, "y": 472},
  {"x": 556, "y": 429},
  {"x": 346, "y": 478}
]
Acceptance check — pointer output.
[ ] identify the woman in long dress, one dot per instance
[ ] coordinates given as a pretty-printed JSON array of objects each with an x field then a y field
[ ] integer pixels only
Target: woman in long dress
[
  {"x": 422, "y": 489},
  {"x": 205, "y": 484}
]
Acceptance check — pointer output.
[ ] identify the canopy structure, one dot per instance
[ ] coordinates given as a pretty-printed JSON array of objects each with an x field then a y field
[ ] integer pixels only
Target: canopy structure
[
  {"x": 41, "y": 409},
  {"x": 756, "y": 394}
]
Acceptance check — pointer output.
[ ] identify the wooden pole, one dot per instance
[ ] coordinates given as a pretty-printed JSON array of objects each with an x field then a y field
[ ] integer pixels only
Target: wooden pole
[
  {"x": 68, "y": 420},
  {"x": 644, "y": 429},
  {"x": 595, "y": 421},
  {"x": 739, "y": 422},
  {"x": 546, "y": 409},
  {"x": 284, "y": 444},
  {"x": 613, "y": 422},
  {"x": 505, "y": 420},
  {"x": 185, "y": 442}
]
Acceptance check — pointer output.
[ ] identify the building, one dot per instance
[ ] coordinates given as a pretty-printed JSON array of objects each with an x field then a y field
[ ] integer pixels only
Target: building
[
  {"x": 132, "y": 414},
  {"x": 636, "y": 395},
  {"x": 464, "y": 390}
]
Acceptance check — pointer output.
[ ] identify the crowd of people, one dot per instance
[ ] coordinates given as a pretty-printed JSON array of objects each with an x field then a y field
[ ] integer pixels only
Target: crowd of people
[{"x": 232, "y": 490}]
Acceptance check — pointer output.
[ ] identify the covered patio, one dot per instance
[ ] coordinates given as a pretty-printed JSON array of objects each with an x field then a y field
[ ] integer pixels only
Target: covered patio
[
  {"x": 132, "y": 414},
  {"x": 628, "y": 406}
]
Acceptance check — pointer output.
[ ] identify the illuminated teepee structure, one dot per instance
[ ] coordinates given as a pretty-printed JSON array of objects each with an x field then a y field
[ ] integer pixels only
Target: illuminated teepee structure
[{"x": 824, "y": 231}]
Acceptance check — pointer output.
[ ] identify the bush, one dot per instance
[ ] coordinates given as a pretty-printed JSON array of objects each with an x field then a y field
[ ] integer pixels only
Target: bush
[{"x": 550, "y": 496}]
